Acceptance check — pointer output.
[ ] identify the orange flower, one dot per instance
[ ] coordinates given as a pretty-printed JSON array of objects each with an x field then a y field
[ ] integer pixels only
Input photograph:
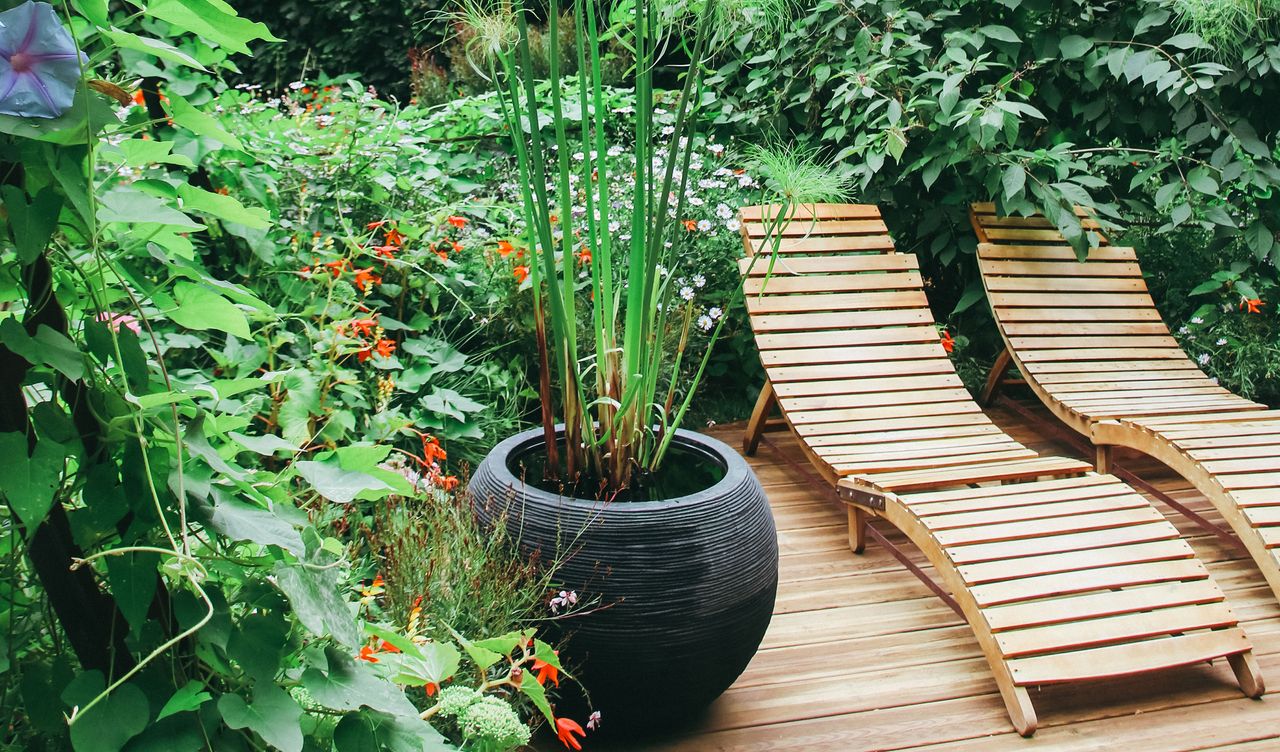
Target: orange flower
[
  {"x": 565, "y": 729},
  {"x": 1251, "y": 306},
  {"x": 387, "y": 647},
  {"x": 386, "y": 251},
  {"x": 366, "y": 277},
  {"x": 505, "y": 248},
  {"x": 394, "y": 237},
  {"x": 385, "y": 347},
  {"x": 378, "y": 581},
  {"x": 457, "y": 247},
  {"x": 336, "y": 267},
  {"x": 458, "y": 222},
  {"x": 546, "y": 672},
  {"x": 690, "y": 225},
  {"x": 431, "y": 688},
  {"x": 367, "y": 654},
  {"x": 948, "y": 343},
  {"x": 521, "y": 273},
  {"x": 585, "y": 256},
  {"x": 432, "y": 451},
  {"x": 376, "y": 225},
  {"x": 448, "y": 482},
  {"x": 364, "y": 326}
]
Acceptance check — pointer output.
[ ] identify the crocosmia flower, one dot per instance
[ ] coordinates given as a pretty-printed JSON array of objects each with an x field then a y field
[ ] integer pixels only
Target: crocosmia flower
[{"x": 39, "y": 64}]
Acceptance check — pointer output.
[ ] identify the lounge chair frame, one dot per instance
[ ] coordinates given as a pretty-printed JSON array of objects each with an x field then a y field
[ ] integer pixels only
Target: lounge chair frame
[{"x": 1062, "y": 573}]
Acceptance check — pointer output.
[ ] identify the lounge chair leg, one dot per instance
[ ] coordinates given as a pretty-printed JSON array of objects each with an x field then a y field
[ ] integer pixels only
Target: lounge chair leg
[
  {"x": 755, "y": 427},
  {"x": 998, "y": 370},
  {"x": 1023, "y": 715},
  {"x": 1102, "y": 457},
  {"x": 1245, "y": 667},
  {"x": 857, "y": 529}
]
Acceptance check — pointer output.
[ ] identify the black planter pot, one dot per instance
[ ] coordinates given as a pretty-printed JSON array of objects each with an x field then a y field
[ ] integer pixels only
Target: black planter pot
[{"x": 686, "y": 585}]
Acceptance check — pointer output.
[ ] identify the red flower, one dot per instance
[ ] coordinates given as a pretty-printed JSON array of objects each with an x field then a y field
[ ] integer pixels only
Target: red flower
[
  {"x": 387, "y": 647},
  {"x": 585, "y": 256},
  {"x": 336, "y": 267},
  {"x": 367, "y": 654},
  {"x": 431, "y": 688},
  {"x": 458, "y": 222},
  {"x": 565, "y": 729},
  {"x": 385, "y": 347},
  {"x": 394, "y": 237},
  {"x": 521, "y": 273},
  {"x": 457, "y": 247},
  {"x": 1251, "y": 306},
  {"x": 376, "y": 225},
  {"x": 364, "y": 326},
  {"x": 448, "y": 482},
  {"x": 386, "y": 251},
  {"x": 690, "y": 225},
  {"x": 948, "y": 343},
  {"x": 504, "y": 248},
  {"x": 432, "y": 451},
  {"x": 366, "y": 277},
  {"x": 546, "y": 672}
]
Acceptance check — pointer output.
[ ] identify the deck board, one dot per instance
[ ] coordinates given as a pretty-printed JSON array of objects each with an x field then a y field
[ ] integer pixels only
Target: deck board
[{"x": 861, "y": 656}]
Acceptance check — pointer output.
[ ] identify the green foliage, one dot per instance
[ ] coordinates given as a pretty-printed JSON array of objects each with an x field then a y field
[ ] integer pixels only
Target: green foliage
[{"x": 1122, "y": 109}]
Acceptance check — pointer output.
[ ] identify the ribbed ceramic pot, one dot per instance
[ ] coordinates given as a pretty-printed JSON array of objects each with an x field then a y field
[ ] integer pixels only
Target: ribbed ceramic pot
[{"x": 685, "y": 586}]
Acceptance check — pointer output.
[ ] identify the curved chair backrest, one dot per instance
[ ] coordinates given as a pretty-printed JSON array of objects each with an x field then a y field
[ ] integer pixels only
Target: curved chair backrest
[{"x": 849, "y": 344}]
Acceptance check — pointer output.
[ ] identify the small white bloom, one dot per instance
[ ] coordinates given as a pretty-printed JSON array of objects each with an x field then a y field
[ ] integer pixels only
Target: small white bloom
[
  {"x": 732, "y": 225},
  {"x": 579, "y": 156},
  {"x": 699, "y": 280},
  {"x": 1221, "y": 341},
  {"x": 715, "y": 313},
  {"x": 614, "y": 150},
  {"x": 705, "y": 323},
  {"x": 1197, "y": 320},
  {"x": 704, "y": 225},
  {"x": 667, "y": 130},
  {"x": 724, "y": 211},
  {"x": 686, "y": 292},
  {"x": 1203, "y": 359},
  {"x": 716, "y": 149},
  {"x": 662, "y": 270},
  {"x": 1183, "y": 330},
  {"x": 593, "y": 721},
  {"x": 296, "y": 85}
]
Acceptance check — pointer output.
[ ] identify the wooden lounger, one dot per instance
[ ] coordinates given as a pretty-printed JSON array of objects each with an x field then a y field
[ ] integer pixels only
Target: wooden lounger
[
  {"x": 1090, "y": 343},
  {"x": 1063, "y": 574}
]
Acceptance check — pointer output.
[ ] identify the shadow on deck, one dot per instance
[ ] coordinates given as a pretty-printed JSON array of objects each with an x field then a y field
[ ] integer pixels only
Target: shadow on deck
[{"x": 861, "y": 656}]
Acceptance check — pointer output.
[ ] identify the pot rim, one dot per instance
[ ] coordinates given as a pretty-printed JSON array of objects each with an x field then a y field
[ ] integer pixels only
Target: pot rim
[{"x": 737, "y": 471}]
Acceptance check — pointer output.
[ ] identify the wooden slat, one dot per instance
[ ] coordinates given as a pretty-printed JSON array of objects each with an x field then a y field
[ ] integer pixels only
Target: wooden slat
[
  {"x": 890, "y": 335},
  {"x": 1084, "y": 634},
  {"x": 851, "y": 354},
  {"x": 808, "y": 227},
  {"x": 835, "y": 302},
  {"x": 801, "y": 322},
  {"x": 842, "y": 264},
  {"x": 1119, "y": 660},
  {"x": 1053, "y": 544},
  {"x": 1101, "y": 604},
  {"x": 1067, "y": 284},
  {"x": 1102, "y": 578},
  {"x": 1072, "y": 268},
  {"x": 1027, "y": 566},
  {"x": 829, "y": 283},
  {"x": 1006, "y": 531},
  {"x": 821, "y": 211}
]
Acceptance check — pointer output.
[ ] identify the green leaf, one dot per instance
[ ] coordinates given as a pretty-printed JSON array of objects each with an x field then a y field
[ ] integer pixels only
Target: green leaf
[
  {"x": 503, "y": 644},
  {"x": 131, "y": 206},
  {"x": 201, "y": 309},
  {"x": 199, "y": 123},
  {"x": 534, "y": 691},
  {"x": 1199, "y": 180},
  {"x": 239, "y": 521},
  {"x": 316, "y": 597},
  {"x": 32, "y": 224},
  {"x": 28, "y": 483},
  {"x": 257, "y": 644},
  {"x": 370, "y": 731},
  {"x": 351, "y": 684},
  {"x": 223, "y": 207},
  {"x": 430, "y": 662},
  {"x": 335, "y": 484},
  {"x": 109, "y": 725},
  {"x": 188, "y": 697},
  {"x": 1015, "y": 177},
  {"x": 132, "y": 577},
  {"x": 139, "y": 152},
  {"x": 48, "y": 347},
  {"x": 896, "y": 143},
  {"x": 1186, "y": 41},
  {"x": 94, "y": 10},
  {"x": 149, "y": 46},
  {"x": 273, "y": 715},
  {"x": 211, "y": 20},
  {"x": 481, "y": 656},
  {"x": 1074, "y": 46},
  {"x": 266, "y": 445},
  {"x": 1000, "y": 33},
  {"x": 1260, "y": 239}
]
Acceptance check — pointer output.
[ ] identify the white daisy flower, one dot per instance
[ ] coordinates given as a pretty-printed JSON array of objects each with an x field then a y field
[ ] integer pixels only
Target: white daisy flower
[
  {"x": 732, "y": 224},
  {"x": 1221, "y": 341},
  {"x": 686, "y": 292},
  {"x": 1203, "y": 359},
  {"x": 715, "y": 313},
  {"x": 699, "y": 280},
  {"x": 705, "y": 323},
  {"x": 704, "y": 225}
]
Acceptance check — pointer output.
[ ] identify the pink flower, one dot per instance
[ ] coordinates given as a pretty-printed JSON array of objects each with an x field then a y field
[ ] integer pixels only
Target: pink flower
[
  {"x": 593, "y": 721},
  {"x": 117, "y": 320}
]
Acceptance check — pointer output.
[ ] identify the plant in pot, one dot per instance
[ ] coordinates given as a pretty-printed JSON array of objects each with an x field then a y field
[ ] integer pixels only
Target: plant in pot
[{"x": 666, "y": 531}]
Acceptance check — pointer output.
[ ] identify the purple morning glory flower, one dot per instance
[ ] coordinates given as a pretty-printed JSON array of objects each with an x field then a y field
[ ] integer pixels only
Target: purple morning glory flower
[{"x": 39, "y": 64}]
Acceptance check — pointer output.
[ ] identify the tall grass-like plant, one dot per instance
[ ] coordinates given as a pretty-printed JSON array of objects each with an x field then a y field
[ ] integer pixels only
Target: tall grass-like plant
[{"x": 611, "y": 360}]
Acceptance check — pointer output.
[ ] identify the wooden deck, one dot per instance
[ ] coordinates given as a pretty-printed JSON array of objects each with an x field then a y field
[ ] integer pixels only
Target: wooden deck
[{"x": 861, "y": 656}]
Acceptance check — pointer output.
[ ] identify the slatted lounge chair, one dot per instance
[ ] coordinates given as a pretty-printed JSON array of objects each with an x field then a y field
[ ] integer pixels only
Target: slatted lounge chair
[
  {"x": 1062, "y": 573},
  {"x": 1090, "y": 343}
]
